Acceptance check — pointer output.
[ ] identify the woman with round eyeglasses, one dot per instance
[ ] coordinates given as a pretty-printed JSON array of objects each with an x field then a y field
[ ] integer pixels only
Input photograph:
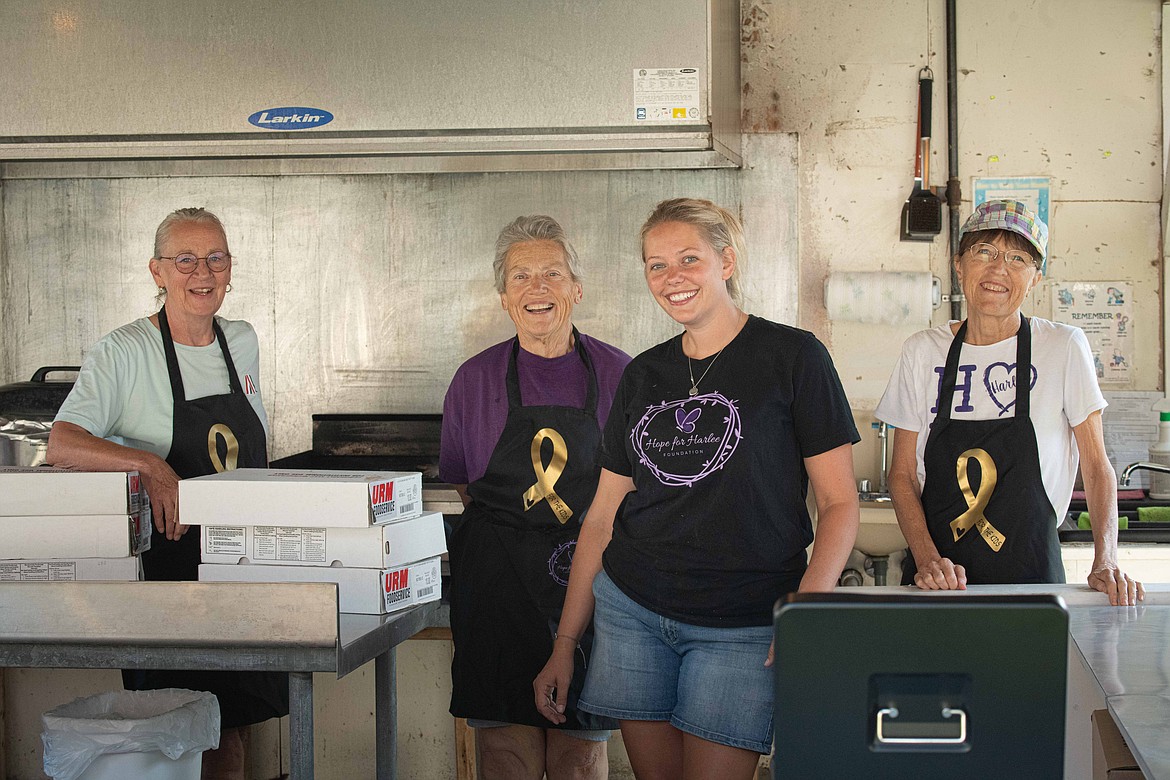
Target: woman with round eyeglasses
[
  {"x": 985, "y": 455},
  {"x": 172, "y": 396}
]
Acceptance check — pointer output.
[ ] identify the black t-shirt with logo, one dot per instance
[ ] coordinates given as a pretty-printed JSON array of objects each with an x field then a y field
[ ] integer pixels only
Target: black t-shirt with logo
[{"x": 716, "y": 528}]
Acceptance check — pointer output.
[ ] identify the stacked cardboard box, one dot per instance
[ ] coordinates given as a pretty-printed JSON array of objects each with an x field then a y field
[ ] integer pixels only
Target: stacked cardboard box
[
  {"x": 364, "y": 531},
  {"x": 57, "y": 524}
]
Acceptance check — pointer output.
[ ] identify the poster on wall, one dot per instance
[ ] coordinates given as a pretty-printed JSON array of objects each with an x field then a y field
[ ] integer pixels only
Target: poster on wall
[
  {"x": 1033, "y": 191},
  {"x": 1104, "y": 311},
  {"x": 1130, "y": 426}
]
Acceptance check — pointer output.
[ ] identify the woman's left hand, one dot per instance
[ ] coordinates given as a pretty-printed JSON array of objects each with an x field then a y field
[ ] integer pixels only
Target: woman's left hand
[{"x": 1123, "y": 590}]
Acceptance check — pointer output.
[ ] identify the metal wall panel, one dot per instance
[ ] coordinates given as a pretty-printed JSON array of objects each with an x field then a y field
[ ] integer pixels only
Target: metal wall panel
[{"x": 366, "y": 291}]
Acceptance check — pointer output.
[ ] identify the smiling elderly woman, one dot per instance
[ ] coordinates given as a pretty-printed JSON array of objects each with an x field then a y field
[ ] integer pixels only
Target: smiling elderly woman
[
  {"x": 151, "y": 397},
  {"x": 521, "y": 423},
  {"x": 984, "y": 461}
]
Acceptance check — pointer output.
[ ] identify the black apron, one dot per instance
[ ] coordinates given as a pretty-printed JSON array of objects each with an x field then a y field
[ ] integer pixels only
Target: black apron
[
  {"x": 984, "y": 498},
  {"x": 510, "y": 558},
  {"x": 209, "y": 435}
]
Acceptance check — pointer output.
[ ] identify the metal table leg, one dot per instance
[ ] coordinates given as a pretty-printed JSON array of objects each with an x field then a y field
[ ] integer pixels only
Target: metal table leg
[
  {"x": 386, "y": 714},
  {"x": 300, "y": 725}
]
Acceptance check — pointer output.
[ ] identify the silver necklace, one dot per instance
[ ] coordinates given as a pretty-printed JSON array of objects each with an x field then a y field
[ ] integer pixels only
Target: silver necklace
[{"x": 695, "y": 385}]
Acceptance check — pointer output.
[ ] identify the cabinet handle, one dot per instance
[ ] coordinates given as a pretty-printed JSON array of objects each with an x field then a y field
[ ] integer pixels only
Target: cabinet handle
[{"x": 947, "y": 712}]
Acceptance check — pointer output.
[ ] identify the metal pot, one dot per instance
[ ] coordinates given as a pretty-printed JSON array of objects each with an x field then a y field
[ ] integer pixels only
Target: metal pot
[{"x": 27, "y": 410}]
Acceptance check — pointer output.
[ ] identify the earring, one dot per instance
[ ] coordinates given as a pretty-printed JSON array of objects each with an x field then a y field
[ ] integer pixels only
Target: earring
[
  {"x": 228, "y": 288},
  {"x": 162, "y": 290}
]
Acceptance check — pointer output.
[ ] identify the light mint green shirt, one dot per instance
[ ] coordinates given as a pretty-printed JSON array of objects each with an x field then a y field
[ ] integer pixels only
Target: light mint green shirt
[{"x": 123, "y": 392}]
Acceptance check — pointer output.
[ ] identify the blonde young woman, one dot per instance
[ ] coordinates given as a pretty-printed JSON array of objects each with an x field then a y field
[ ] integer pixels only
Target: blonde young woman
[{"x": 700, "y": 524}]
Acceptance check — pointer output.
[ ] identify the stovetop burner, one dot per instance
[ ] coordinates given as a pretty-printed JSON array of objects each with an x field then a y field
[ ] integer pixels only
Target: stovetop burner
[{"x": 380, "y": 442}]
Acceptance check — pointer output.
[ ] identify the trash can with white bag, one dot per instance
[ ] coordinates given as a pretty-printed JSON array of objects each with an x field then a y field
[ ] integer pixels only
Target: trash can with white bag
[{"x": 154, "y": 735}]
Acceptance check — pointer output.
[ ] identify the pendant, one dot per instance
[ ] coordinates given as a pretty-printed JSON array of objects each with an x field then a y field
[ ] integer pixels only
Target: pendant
[{"x": 693, "y": 391}]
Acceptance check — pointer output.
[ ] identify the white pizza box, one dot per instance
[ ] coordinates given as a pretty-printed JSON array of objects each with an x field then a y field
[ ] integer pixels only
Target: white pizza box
[
  {"x": 125, "y": 569},
  {"x": 377, "y": 547},
  {"x": 40, "y": 490},
  {"x": 366, "y": 591},
  {"x": 308, "y": 498},
  {"x": 74, "y": 536}
]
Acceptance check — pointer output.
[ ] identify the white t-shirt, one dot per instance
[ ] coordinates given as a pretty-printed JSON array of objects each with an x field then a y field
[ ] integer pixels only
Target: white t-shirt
[
  {"x": 123, "y": 392},
  {"x": 1064, "y": 393}
]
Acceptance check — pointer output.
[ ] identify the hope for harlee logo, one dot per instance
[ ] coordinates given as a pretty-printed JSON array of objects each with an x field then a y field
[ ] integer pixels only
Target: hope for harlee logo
[
  {"x": 561, "y": 561},
  {"x": 382, "y": 498},
  {"x": 397, "y": 586},
  {"x": 681, "y": 442}
]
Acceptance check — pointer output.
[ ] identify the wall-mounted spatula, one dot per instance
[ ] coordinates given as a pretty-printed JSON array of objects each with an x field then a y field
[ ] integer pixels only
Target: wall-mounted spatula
[{"x": 922, "y": 212}]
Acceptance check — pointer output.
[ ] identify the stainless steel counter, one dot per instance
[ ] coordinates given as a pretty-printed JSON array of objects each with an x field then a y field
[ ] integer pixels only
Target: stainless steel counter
[
  {"x": 293, "y": 627},
  {"x": 1127, "y": 650}
]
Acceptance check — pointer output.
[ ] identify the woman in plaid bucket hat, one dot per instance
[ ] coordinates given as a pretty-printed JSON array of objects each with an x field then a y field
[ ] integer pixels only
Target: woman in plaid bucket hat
[{"x": 985, "y": 454}]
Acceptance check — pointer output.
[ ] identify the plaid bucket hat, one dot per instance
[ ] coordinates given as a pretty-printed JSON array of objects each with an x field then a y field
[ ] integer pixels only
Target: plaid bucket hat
[{"x": 1010, "y": 215}]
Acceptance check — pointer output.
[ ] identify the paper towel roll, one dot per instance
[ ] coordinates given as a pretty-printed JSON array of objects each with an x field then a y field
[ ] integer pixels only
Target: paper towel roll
[{"x": 891, "y": 298}]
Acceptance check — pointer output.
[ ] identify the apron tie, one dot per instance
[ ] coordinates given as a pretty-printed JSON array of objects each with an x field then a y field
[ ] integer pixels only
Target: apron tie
[{"x": 977, "y": 502}]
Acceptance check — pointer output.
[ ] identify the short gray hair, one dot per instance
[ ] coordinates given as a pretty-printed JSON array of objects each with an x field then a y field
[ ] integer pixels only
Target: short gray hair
[
  {"x": 194, "y": 214},
  {"x": 535, "y": 227},
  {"x": 718, "y": 227}
]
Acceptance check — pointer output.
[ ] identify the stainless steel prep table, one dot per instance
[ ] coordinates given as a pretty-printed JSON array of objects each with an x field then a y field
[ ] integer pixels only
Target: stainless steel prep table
[
  {"x": 1126, "y": 649},
  {"x": 293, "y": 627}
]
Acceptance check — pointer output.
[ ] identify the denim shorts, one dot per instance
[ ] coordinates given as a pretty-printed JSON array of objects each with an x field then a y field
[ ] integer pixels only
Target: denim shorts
[
  {"x": 710, "y": 682},
  {"x": 589, "y": 735}
]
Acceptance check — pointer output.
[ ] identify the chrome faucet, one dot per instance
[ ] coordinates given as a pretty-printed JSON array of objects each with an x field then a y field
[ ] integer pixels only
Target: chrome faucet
[
  {"x": 883, "y": 439},
  {"x": 882, "y": 494},
  {"x": 1141, "y": 465}
]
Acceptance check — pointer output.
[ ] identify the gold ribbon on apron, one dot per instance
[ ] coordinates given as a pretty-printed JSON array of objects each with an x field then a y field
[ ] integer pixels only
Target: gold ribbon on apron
[
  {"x": 977, "y": 502},
  {"x": 233, "y": 447},
  {"x": 546, "y": 479}
]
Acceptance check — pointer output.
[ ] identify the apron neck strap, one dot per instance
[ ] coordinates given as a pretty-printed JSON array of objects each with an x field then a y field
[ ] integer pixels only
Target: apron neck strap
[
  {"x": 1023, "y": 369},
  {"x": 946, "y": 388},
  {"x": 1023, "y": 372},
  {"x": 591, "y": 393},
  {"x": 173, "y": 371}
]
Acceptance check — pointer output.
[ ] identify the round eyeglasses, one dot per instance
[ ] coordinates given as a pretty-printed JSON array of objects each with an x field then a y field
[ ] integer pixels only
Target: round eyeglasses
[
  {"x": 187, "y": 262},
  {"x": 1014, "y": 259}
]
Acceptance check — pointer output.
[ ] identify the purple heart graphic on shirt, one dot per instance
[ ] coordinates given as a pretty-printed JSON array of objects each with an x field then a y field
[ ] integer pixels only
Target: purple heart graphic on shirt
[
  {"x": 1000, "y": 381},
  {"x": 686, "y": 420}
]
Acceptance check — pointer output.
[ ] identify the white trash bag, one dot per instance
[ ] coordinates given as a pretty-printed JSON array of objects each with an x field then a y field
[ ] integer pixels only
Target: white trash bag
[{"x": 174, "y": 721}]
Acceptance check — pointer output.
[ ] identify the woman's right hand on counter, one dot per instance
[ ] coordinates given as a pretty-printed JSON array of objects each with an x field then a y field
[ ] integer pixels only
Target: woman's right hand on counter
[
  {"x": 941, "y": 574},
  {"x": 551, "y": 686}
]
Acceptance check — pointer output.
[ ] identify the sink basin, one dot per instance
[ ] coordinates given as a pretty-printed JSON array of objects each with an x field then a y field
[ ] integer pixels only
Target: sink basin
[{"x": 879, "y": 533}]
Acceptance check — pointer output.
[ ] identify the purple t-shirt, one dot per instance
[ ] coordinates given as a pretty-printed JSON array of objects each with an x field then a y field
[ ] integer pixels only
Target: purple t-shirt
[{"x": 476, "y": 406}]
